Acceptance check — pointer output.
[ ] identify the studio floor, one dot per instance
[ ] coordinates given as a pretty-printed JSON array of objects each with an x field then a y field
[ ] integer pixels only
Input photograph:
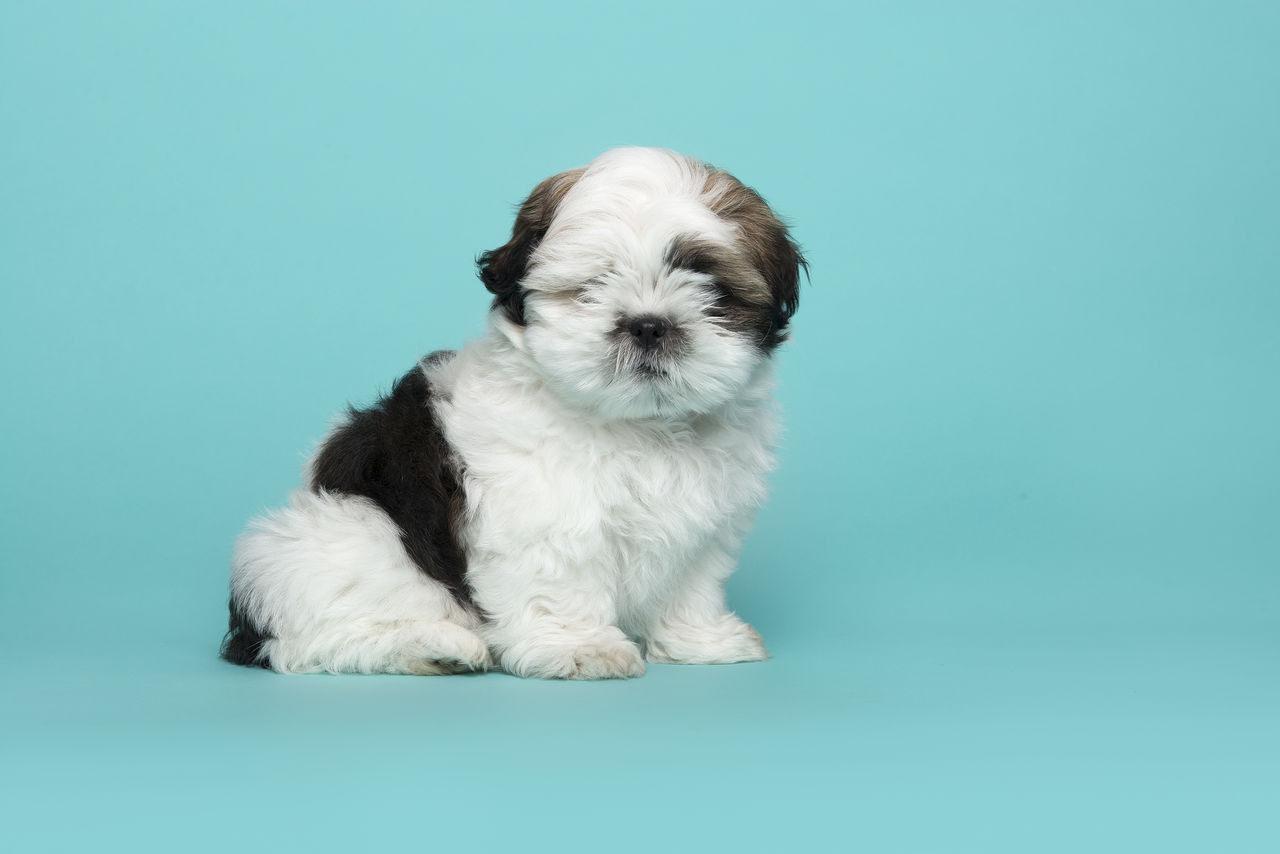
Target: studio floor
[{"x": 944, "y": 741}]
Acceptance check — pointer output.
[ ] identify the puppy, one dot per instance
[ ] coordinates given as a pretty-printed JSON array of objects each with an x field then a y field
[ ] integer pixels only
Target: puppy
[{"x": 565, "y": 497}]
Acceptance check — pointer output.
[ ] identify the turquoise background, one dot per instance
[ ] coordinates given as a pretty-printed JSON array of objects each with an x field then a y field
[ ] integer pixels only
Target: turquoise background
[{"x": 1019, "y": 567}]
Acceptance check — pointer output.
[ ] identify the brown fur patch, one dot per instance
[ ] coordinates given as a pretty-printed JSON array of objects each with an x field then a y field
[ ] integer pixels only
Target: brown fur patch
[
  {"x": 743, "y": 298},
  {"x": 765, "y": 243}
]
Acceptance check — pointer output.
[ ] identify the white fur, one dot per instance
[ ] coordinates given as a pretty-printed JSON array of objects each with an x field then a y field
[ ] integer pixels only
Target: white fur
[
  {"x": 605, "y": 509},
  {"x": 329, "y": 577}
]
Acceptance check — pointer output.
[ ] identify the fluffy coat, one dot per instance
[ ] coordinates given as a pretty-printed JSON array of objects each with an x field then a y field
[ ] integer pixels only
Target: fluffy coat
[{"x": 565, "y": 497}]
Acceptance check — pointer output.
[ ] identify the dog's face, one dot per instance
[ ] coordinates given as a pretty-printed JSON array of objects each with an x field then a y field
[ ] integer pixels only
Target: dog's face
[{"x": 646, "y": 284}]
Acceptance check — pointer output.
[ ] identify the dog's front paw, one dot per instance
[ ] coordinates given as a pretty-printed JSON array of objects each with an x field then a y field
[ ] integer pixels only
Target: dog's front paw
[{"x": 607, "y": 655}]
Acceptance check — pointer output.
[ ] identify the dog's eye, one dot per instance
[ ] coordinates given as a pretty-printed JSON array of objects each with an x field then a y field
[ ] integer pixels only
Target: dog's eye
[
  {"x": 722, "y": 298},
  {"x": 588, "y": 292},
  {"x": 584, "y": 294}
]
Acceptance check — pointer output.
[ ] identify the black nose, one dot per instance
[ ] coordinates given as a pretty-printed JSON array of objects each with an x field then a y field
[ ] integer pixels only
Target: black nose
[{"x": 648, "y": 331}]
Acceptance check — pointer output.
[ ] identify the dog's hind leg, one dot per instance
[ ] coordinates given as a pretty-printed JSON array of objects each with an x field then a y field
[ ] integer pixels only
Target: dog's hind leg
[
  {"x": 325, "y": 584},
  {"x": 417, "y": 647}
]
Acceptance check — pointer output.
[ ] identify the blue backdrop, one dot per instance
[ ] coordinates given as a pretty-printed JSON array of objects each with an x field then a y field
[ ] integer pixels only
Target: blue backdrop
[{"x": 1019, "y": 567}]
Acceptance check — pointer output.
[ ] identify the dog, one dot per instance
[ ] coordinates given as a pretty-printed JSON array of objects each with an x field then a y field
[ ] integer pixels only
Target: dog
[{"x": 565, "y": 497}]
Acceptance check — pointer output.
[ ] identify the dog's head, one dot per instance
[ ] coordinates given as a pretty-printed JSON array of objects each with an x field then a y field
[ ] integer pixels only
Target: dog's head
[{"x": 645, "y": 284}]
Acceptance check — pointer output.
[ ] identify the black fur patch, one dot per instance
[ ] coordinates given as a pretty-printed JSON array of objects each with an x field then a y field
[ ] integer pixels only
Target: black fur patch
[
  {"x": 395, "y": 454},
  {"x": 243, "y": 642}
]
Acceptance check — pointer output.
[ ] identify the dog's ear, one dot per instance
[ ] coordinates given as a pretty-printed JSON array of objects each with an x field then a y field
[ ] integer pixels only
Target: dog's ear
[
  {"x": 502, "y": 269},
  {"x": 768, "y": 244},
  {"x": 781, "y": 262}
]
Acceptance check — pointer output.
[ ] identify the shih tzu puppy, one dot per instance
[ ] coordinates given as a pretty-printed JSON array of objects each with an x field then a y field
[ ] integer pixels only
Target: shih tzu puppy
[{"x": 565, "y": 497}]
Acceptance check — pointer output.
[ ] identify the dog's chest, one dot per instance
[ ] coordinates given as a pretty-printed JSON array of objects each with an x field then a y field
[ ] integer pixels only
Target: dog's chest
[
  {"x": 658, "y": 500},
  {"x": 626, "y": 508},
  {"x": 670, "y": 492},
  {"x": 639, "y": 498}
]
